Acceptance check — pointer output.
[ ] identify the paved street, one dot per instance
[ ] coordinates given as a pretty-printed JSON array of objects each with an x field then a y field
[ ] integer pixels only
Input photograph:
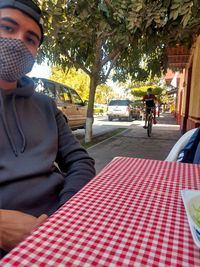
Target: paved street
[
  {"x": 102, "y": 125},
  {"x": 134, "y": 142}
]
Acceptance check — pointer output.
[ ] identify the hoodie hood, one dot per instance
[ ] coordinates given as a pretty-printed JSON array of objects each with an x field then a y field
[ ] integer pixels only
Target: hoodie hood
[{"x": 25, "y": 88}]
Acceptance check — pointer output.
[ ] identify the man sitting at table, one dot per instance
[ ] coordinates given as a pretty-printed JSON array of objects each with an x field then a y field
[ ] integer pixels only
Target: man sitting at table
[{"x": 33, "y": 133}]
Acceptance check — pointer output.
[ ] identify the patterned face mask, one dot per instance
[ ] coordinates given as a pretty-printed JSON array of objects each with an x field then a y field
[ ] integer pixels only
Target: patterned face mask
[{"x": 15, "y": 59}]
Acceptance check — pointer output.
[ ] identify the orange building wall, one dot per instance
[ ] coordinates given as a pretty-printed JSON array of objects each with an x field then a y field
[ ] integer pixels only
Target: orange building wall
[
  {"x": 194, "y": 107},
  {"x": 181, "y": 95},
  {"x": 193, "y": 119}
]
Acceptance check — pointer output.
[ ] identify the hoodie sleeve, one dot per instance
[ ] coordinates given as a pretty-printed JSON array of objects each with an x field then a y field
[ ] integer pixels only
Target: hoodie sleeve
[{"x": 73, "y": 160}]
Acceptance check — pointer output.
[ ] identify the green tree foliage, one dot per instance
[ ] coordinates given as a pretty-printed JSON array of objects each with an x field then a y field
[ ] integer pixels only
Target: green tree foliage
[
  {"x": 117, "y": 33},
  {"x": 159, "y": 92},
  {"x": 80, "y": 81},
  {"x": 76, "y": 79},
  {"x": 127, "y": 35},
  {"x": 104, "y": 93},
  {"x": 141, "y": 91}
]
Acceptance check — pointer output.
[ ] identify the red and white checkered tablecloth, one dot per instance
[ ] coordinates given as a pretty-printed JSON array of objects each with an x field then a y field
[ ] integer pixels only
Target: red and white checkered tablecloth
[{"x": 131, "y": 214}]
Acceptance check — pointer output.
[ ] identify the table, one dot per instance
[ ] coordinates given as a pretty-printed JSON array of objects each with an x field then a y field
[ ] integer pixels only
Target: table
[{"x": 131, "y": 214}]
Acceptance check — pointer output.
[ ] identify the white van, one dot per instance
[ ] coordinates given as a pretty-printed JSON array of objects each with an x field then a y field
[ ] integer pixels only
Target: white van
[{"x": 122, "y": 108}]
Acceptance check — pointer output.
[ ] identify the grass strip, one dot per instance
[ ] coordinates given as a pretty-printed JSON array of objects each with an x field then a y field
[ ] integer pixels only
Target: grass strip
[{"x": 101, "y": 137}]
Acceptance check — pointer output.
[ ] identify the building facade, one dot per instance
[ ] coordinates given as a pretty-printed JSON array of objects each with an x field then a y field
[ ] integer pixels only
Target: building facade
[{"x": 187, "y": 108}]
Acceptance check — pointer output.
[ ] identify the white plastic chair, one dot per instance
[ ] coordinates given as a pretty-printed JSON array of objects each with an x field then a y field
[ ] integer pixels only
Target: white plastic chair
[{"x": 180, "y": 144}]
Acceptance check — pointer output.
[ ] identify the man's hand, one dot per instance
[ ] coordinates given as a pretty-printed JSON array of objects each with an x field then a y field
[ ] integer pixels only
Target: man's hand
[{"x": 15, "y": 226}]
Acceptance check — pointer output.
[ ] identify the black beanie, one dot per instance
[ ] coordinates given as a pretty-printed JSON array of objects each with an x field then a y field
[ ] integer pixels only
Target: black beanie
[{"x": 29, "y": 8}]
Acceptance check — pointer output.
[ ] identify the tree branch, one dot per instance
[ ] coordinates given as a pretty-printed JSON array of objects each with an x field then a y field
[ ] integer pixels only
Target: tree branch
[
  {"x": 110, "y": 68},
  {"x": 78, "y": 65},
  {"x": 110, "y": 57}
]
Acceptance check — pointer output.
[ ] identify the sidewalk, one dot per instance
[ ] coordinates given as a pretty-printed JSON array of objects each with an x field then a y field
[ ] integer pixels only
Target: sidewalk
[{"x": 134, "y": 142}]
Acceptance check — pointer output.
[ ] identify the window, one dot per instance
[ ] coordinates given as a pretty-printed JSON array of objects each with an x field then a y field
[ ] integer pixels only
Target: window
[
  {"x": 119, "y": 103},
  {"x": 49, "y": 89},
  {"x": 46, "y": 88},
  {"x": 75, "y": 97},
  {"x": 64, "y": 95}
]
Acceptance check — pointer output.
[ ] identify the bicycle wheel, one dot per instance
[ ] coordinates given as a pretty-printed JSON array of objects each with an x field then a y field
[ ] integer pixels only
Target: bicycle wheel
[{"x": 149, "y": 126}]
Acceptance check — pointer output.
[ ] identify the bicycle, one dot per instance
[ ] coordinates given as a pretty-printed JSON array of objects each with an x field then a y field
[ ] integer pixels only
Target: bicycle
[{"x": 150, "y": 117}]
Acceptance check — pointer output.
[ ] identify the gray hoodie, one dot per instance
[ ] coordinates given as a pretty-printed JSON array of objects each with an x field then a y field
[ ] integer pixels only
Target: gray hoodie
[{"x": 33, "y": 136}]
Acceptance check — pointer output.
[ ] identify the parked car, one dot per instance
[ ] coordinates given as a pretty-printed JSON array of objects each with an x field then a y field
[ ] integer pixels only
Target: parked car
[
  {"x": 122, "y": 109},
  {"x": 67, "y": 100}
]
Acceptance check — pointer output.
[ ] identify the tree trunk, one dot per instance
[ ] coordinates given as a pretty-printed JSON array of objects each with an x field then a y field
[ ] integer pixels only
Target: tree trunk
[
  {"x": 88, "y": 131},
  {"x": 90, "y": 119},
  {"x": 94, "y": 79}
]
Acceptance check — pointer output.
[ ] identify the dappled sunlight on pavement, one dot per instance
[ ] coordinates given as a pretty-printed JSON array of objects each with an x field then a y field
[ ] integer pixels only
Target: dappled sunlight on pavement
[{"x": 134, "y": 142}]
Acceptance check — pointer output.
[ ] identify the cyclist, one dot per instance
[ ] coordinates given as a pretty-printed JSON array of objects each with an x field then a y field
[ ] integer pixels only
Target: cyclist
[{"x": 149, "y": 100}]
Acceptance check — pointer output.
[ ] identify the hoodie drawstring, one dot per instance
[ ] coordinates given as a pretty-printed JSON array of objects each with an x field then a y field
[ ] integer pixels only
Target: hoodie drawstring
[
  {"x": 11, "y": 141},
  {"x": 19, "y": 125}
]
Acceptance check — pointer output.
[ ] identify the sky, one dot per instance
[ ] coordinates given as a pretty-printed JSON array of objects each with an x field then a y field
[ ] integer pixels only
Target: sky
[{"x": 41, "y": 71}]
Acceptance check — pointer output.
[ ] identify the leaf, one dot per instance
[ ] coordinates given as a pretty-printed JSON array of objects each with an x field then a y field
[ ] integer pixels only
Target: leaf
[
  {"x": 186, "y": 19},
  {"x": 174, "y": 15},
  {"x": 138, "y": 8},
  {"x": 175, "y": 6}
]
